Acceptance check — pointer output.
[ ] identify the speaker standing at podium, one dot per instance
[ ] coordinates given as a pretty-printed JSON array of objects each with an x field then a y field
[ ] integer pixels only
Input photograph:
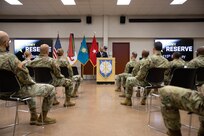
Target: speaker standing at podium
[{"x": 101, "y": 53}]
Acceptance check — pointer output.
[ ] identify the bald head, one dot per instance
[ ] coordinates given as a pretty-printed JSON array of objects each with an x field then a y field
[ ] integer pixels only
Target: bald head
[
  {"x": 44, "y": 49},
  {"x": 145, "y": 54},
  {"x": 4, "y": 39},
  {"x": 200, "y": 51}
]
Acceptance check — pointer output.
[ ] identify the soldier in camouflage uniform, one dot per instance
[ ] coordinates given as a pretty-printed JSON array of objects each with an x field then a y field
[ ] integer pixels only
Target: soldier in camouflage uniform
[
  {"x": 199, "y": 60},
  {"x": 175, "y": 63},
  {"x": 28, "y": 56},
  {"x": 145, "y": 55},
  {"x": 63, "y": 62},
  {"x": 132, "y": 63},
  {"x": 28, "y": 86},
  {"x": 175, "y": 98},
  {"x": 156, "y": 60},
  {"x": 43, "y": 60}
]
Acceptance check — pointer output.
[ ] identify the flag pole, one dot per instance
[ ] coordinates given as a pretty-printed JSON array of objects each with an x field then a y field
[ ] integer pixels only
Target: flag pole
[{"x": 93, "y": 72}]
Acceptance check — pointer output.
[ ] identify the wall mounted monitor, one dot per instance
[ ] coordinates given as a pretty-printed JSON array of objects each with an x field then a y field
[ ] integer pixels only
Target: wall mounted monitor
[
  {"x": 32, "y": 45},
  {"x": 182, "y": 45}
]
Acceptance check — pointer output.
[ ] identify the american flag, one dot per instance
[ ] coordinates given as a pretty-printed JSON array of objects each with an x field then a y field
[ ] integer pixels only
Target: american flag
[{"x": 57, "y": 46}]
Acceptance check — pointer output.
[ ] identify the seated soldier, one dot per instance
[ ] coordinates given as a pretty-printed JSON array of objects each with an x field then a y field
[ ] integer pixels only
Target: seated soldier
[
  {"x": 175, "y": 98},
  {"x": 145, "y": 55},
  {"x": 43, "y": 60},
  {"x": 10, "y": 62},
  {"x": 28, "y": 57},
  {"x": 63, "y": 62},
  {"x": 156, "y": 60},
  {"x": 175, "y": 63},
  {"x": 129, "y": 65}
]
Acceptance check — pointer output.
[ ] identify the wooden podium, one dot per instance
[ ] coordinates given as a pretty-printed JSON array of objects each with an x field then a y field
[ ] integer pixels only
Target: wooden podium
[{"x": 105, "y": 72}]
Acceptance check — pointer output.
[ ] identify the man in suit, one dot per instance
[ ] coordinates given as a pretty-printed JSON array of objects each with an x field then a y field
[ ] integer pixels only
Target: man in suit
[{"x": 101, "y": 53}]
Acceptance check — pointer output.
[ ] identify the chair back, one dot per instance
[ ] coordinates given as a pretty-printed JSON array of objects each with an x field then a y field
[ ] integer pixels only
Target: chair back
[
  {"x": 31, "y": 71},
  {"x": 75, "y": 70},
  {"x": 130, "y": 70},
  {"x": 8, "y": 81},
  {"x": 64, "y": 71},
  {"x": 200, "y": 76},
  {"x": 184, "y": 77},
  {"x": 155, "y": 76},
  {"x": 42, "y": 75}
]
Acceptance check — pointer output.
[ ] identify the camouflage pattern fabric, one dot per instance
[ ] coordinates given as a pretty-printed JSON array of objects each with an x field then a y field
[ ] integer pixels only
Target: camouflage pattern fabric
[
  {"x": 196, "y": 62},
  {"x": 173, "y": 64},
  {"x": 119, "y": 77},
  {"x": 156, "y": 60},
  {"x": 58, "y": 78},
  {"x": 63, "y": 62},
  {"x": 28, "y": 86},
  {"x": 175, "y": 98}
]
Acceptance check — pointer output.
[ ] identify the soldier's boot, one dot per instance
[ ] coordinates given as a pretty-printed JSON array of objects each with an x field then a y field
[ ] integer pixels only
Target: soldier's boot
[
  {"x": 55, "y": 102},
  {"x": 127, "y": 102},
  {"x": 143, "y": 102},
  {"x": 174, "y": 132},
  {"x": 33, "y": 118},
  {"x": 68, "y": 102},
  {"x": 138, "y": 93},
  {"x": 122, "y": 95},
  {"x": 44, "y": 120},
  {"x": 118, "y": 89},
  {"x": 74, "y": 94}
]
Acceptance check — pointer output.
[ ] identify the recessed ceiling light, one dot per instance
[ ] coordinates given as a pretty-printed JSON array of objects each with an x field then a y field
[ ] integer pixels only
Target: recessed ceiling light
[
  {"x": 68, "y": 2},
  {"x": 14, "y": 2},
  {"x": 177, "y": 2},
  {"x": 123, "y": 2}
]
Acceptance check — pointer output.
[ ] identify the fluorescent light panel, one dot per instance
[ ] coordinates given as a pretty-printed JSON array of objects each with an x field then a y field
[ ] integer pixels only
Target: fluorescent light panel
[
  {"x": 177, "y": 2},
  {"x": 14, "y": 2},
  {"x": 123, "y": 2},
  {"x": 68, "y": 2}
]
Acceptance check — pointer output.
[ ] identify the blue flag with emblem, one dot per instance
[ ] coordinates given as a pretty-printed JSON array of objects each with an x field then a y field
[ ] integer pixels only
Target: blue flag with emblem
[{"x": 83, "y": 55}]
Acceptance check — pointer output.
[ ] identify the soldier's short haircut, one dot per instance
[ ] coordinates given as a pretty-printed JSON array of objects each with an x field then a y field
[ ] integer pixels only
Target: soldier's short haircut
[
  {"x": 134, "y": 54},
  {"x": 27, "y": 53},
  {"x": 145, "y": 53},
  {"x": 158, "y": 46},
  {"x": 44, "y": 49},
  {"x": 200, "y": 51},
  {"x": 60, "y": 52},
  {"x": 3, "y": 37},
  {"x": 177, "y": 55}
]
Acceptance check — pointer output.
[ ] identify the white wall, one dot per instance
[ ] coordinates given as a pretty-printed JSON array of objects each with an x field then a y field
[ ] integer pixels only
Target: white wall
[{"x": 107, "y": 30}]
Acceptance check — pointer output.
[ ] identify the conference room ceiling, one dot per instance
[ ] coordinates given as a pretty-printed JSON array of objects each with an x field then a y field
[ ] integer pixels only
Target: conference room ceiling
[{"x": 103, "y": 7}]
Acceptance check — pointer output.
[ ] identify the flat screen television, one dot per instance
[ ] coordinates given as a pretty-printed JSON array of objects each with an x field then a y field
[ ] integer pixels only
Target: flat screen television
[
  {"x": 182, "y": 45},
  {"x": 32, "y": 45}
]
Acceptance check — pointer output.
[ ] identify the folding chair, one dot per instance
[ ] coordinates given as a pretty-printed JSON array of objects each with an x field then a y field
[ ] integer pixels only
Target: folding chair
[
  {"x": 75, "y": 70},
  {"x": 154, "y": 79},
  {"x": 9, "y": 87},
  {"x": 42, "y": 75},
  {"x": 64, "y": 71}
]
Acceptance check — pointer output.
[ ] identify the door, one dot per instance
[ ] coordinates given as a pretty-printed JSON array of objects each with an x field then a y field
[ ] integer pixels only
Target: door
[{"x": 121, "y": 52}]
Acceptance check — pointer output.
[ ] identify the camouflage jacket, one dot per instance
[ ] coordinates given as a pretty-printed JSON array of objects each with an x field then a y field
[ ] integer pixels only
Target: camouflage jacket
[
  {"x": 156, "y": 60},
  {"x": 196, "y": 62},
  {"x": 10, "y": 62},
  {"x": 177, "y": 63},
  {"x": 45, "y": 61},
  {"x": 130, "y": 64},
  {"x": 63, "y": 62},
  {"x": 136, "y": 69}
]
